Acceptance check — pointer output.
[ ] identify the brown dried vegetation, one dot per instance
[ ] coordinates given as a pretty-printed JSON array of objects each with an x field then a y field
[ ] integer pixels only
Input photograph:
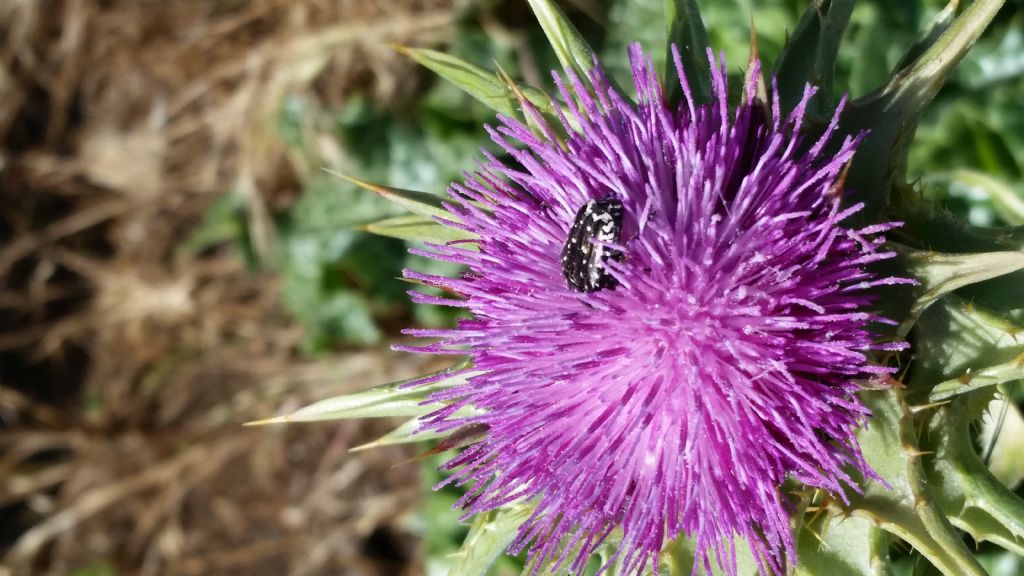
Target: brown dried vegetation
[{"x": 127, "y": 367}]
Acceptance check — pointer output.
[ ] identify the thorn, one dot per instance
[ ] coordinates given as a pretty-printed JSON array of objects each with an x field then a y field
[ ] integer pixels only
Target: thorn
[
  {"x": 920, "y": 424},
  {"x": 754, "y": 52},
  {"x": 874, "y": 384},
  {"x": 375, "y": 188},
  {"x": 903, "y": 370},
  {"x": 917, "y": 409},
  {"x": 821, "y": 541},
  {"x": 275, "y": 420},
  {"x": 814, "y": 517},
  {"x": 511, "y": 85},
  {"x": 760, "y": 88},
  {"x": 367, "y": 446},
  {"x": 836, "y": 190}
]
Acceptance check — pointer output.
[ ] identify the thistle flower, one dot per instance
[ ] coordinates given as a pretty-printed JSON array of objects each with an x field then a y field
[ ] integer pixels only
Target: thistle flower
[{"x": 669, "y": 320}]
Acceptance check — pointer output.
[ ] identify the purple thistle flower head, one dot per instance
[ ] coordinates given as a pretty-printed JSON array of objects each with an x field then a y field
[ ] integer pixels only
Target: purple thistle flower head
[{"x": 669, "y": 317}]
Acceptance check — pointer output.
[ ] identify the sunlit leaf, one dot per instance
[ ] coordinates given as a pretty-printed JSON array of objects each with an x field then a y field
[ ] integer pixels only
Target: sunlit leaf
[
  {"x": 483, "y": 85},
  {"x": 810, "y": 55},
  {"x": 417, "y": 228},
  {"x": 416, "y": 202},
  {"x": 973, "y": 498},
  {"x": 835, "y": 545},
  {"x": 907, "y": 508},
  {"x": 571, "y": 49},
  {"x": 488, "y": 537},
  {"x": 940, "y": 274},
  {"x": 685, "y": 30},
  {"x": 961, "y": 347},
  {"x": 392, "y": 399}
]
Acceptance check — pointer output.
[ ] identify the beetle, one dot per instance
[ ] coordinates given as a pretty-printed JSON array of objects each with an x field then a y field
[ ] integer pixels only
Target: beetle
[{"x": 583, "y": 261}]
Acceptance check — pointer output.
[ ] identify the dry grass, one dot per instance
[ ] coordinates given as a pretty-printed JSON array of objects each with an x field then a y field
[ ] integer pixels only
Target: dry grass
[{"x": 126, "y": 368}]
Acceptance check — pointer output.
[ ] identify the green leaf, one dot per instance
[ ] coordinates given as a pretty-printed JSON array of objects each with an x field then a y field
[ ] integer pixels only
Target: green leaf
[
  {"x": 810, "y": 55},
  {"x": 570, "y": 48},
  {"x": 417, "y": 228},
  {"x": 930, "y": 35},
  {"x": 930, "y": 71},
  {"x": 420, "y": 203},
  {"x": 409, "y": 431},
  {"x": 686, "y": 31},
  {"x": 974, "y": 499},
  {"x": 794, "y": 65},
  {"x": 908, "y": 509},
  {"x": 961, "y": 348},
  {"x": 488, "y": 537},
  {"x": 828, "y": 542},
  {"x": 330, "y": 314},
  {"x": 978, "y": 379},
  {"x": 679, "y": 556},
  {"x": 973, "y": 380},
  {"x": 380, "y": 401},
  {"x": 483, "y": 85},
  {"x": 939, "y": 274},
  {"x": 404, "y": 433},
  {"x": 880, "y": 542},
  {"x": 835, "y": 545},
  {"x": 336, "y": 279}
]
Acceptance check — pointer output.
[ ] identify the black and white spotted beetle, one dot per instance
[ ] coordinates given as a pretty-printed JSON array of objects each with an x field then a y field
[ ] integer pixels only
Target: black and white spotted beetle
[{"x": 583, "y": 262}]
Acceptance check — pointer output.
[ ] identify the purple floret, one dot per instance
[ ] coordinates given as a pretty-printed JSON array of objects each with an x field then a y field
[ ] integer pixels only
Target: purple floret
[{"x": 722, "y": 360}]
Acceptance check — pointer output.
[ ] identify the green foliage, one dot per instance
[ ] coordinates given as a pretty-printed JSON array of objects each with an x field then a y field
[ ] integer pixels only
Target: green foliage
[
  {"x": 810, "y": 54},
  {"x": 965, "y": 349},
  {"x": 442, "y": 532},
  {"x": 684, "y": 29},
  {"x": 341, "y": 276},
  {"x": 571, "y": 49},
  {"x": 386, "y": 400},
  {"x": 487, "y": 87},
  {"x": 488, "y": 536}
]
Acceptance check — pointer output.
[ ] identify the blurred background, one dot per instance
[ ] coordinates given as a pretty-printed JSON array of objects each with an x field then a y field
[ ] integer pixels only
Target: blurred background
[{"x": 175, "y": 260}]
